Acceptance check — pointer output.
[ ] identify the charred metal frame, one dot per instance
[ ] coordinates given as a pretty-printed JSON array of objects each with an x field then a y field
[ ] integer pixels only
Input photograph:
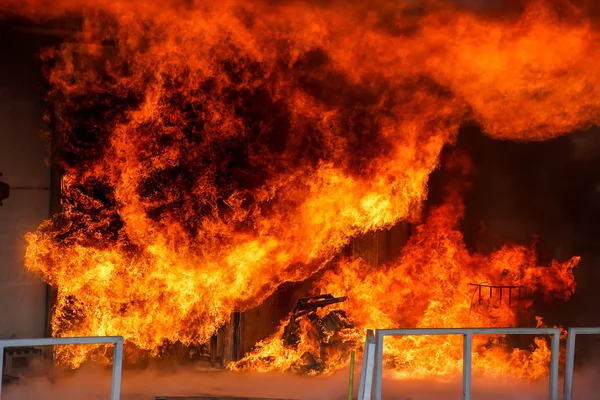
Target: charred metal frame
[
  {"x": 307, "y": 305},
  {"x": 570, "y": 357},
  {"x": 497, "y": 288},
  {"x": 375, "y": 375},
  {"x": 115, "y": 391}
]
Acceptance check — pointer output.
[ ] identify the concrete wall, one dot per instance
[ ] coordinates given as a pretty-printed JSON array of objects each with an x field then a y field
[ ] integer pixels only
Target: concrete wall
[{"x": 22, "y": 161}]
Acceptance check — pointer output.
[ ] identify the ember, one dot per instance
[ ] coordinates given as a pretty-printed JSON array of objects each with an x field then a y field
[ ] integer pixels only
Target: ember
[{"x": 214, "y": 151}]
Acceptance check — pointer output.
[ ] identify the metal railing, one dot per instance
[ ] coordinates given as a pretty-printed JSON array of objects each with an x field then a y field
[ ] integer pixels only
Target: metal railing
[
  {"x": 364, "y": 386},
  {"x": 372, "y": 364},
  {"x": 570, "y": 357},
  {"x": 374, "y": 372},
  {"x": 115, "y": 391}
]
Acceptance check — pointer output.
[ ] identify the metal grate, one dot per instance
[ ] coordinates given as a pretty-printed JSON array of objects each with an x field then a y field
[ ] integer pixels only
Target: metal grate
[{"x": 492, "y": 294}]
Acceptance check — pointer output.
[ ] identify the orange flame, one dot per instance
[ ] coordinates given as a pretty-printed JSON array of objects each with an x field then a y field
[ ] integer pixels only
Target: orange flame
[
  {"x": 213, "y": 151},
  {"x": 429, "y": 287}
]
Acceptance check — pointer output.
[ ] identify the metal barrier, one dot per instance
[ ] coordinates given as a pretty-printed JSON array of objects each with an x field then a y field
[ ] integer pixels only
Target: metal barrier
[
  {"x": 376, "y": 370},
  {"x": 372, "y": 364},
  {"x": 570, "y": 357},
  {"x": 364, "y": 387},
  {"x": 115, "y": 392}
]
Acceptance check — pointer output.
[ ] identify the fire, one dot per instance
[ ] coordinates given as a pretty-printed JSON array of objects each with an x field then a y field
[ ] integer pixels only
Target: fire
[
  {"x": 428, "y": 287},
  {"x": 213, "y": 151}
]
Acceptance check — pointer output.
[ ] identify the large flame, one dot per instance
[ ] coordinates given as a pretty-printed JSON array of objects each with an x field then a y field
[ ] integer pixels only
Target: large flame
[
  {"x": 214, "y": 150},
  {"x": 429, "y": 286}
]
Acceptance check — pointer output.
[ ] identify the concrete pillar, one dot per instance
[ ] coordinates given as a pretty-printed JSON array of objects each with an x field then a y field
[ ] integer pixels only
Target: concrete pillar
[{"x": 23, "y": 163}]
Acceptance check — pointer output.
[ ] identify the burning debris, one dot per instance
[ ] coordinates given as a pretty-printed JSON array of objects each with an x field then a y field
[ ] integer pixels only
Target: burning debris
[
  {"x": 214, "y": 151},
  {"x": 315, "y": 335},
  {"x": 307, "y": 307},
  {"x": 325, "y": 329}
]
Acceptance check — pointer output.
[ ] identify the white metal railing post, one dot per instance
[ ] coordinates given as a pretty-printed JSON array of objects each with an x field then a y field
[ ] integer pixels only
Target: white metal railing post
[
  {"x": 117, "y": 359},
  {"x": 569, "y": 364},
  {"x": 366, "y": 372},
  {"x": 378, "y": 365},
  {"x": 115, "y": 392},
  {"x": 467, "y": 354},
  {"x": 570, "y": 357},
  {"x": 1, "y": 368},
  {"x": 467, "y": 350},
  {"x": 554, "y": 350}
]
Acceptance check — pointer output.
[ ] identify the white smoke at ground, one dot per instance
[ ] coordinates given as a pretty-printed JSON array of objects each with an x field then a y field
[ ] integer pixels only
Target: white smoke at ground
[{"x": 94, "y": 384}]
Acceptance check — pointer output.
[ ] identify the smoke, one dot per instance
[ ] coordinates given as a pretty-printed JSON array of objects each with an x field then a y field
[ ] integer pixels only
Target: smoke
[{"x": 94, "y": 384}]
